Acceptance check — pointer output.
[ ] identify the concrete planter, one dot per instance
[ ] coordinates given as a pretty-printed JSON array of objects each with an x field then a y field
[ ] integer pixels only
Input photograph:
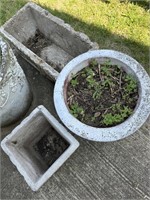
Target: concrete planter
[
  {"x": 19, "y": 146},
  {"x": 15, "y": 96},
  {"x": 65, "y": 42},
  {"x": 128, "y": 127}
]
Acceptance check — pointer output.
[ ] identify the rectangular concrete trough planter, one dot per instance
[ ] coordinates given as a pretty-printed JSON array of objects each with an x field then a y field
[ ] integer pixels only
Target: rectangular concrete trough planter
[
  {"x": 39, "y": 146},
  {"x": 45, "y": 40}
]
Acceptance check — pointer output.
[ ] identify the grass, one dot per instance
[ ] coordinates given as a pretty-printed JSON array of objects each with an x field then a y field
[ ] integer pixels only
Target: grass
[{"x": 112, "y": 24}]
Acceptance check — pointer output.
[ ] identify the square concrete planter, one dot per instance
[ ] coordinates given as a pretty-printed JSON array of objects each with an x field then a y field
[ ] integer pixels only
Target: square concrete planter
[
  {"x": 45, "y": 40},
  {"x": 39, "y": 146}
]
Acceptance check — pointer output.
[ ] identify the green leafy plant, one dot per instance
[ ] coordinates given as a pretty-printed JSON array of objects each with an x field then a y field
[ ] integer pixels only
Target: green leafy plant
[
  {"x": 131, "y": 84},
  {"x": 116, "y": 107},
  {"x": 110, "y": 119},
  {"x": 93, "y": 62},
  {"x": 107, "y": 82},
  {"x": 97, "y": 92},
  {"x": 91, "y": 82},
  {"x": 105, "y": 69},
  {"x": 75, "y": 109},
  {"x": 74, "y": 82},
  {"x": 121, "y": 113},
  {"x": 89, "y": 71},
  {"x": 107, "y": 95}
]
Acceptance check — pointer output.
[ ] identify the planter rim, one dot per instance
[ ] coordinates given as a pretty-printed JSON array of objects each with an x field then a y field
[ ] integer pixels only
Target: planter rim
[{"x": 129, "y": 126}]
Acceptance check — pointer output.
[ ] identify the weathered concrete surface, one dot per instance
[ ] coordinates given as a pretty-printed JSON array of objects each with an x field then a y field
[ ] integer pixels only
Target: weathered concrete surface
[
  {"x": 96, "y": 171},
  {"x": 120, "y": 131},
  {"x": 18, "y": 145},
  {"x": 15, "y": 95},
  {"x": 55, "y": 56},
  {"x": 31, "y": 18}
]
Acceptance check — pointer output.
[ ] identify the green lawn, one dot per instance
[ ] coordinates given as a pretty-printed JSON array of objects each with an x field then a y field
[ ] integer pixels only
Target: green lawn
[{"x": 113, "y": 25}]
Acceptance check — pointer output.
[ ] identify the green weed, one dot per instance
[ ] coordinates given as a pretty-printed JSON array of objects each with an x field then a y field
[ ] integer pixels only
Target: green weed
[
  {"x": 74, "y": 82},
  {"x": 122, "y": 113},
  {"x": 131, "y": 84},
  {"x": 76, "y": 110}
]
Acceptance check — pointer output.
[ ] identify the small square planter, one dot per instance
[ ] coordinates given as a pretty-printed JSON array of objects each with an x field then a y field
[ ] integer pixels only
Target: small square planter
[
  {"x": 39, "y": 146},
  {"x": 45, "y": 40}
]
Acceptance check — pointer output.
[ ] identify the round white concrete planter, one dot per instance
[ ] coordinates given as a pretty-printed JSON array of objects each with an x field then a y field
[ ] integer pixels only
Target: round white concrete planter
[
  {"x": 129, "y": 126},
  {"x": 15, "y": 95}
]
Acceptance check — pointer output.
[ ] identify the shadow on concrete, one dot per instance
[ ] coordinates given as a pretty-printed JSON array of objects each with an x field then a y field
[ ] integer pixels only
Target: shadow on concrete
[{"x": 106, "y": 39}]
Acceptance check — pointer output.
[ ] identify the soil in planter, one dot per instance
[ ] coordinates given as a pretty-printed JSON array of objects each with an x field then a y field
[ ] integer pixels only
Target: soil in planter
[
  {"x": 48, "y": 51},
  {"x": 102, "y": 95},
  {"x": 51, "y": 146},
  {"x": 37, "y": 43}
]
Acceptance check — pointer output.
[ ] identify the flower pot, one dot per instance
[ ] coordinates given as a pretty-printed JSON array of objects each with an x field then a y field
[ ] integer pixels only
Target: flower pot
[
  {"x": 15, "y": 95},
  {"x": 39, "y": 146},
  {"x": 126, "y": 128},
  {"x": 57, "y": 41}
]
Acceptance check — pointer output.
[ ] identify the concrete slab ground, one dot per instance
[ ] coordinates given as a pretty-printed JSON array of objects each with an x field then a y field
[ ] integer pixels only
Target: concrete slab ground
[{"x": 96, "y": 171}]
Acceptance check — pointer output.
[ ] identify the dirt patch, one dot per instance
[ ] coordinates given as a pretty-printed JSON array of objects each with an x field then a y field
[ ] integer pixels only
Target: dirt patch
[
  {"x": 37, "y": 43},
  {"x": 55, "y": 56},
  {"x": 102, "y": 95},
  {"x": 51, "y": 146}
]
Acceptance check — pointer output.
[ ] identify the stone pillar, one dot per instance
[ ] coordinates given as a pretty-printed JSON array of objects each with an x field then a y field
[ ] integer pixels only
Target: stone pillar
[{"x": 15, "y": 95}]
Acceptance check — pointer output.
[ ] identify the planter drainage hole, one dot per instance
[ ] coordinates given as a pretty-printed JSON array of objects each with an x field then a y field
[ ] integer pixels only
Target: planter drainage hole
[{"x": 14, "y": 142}]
